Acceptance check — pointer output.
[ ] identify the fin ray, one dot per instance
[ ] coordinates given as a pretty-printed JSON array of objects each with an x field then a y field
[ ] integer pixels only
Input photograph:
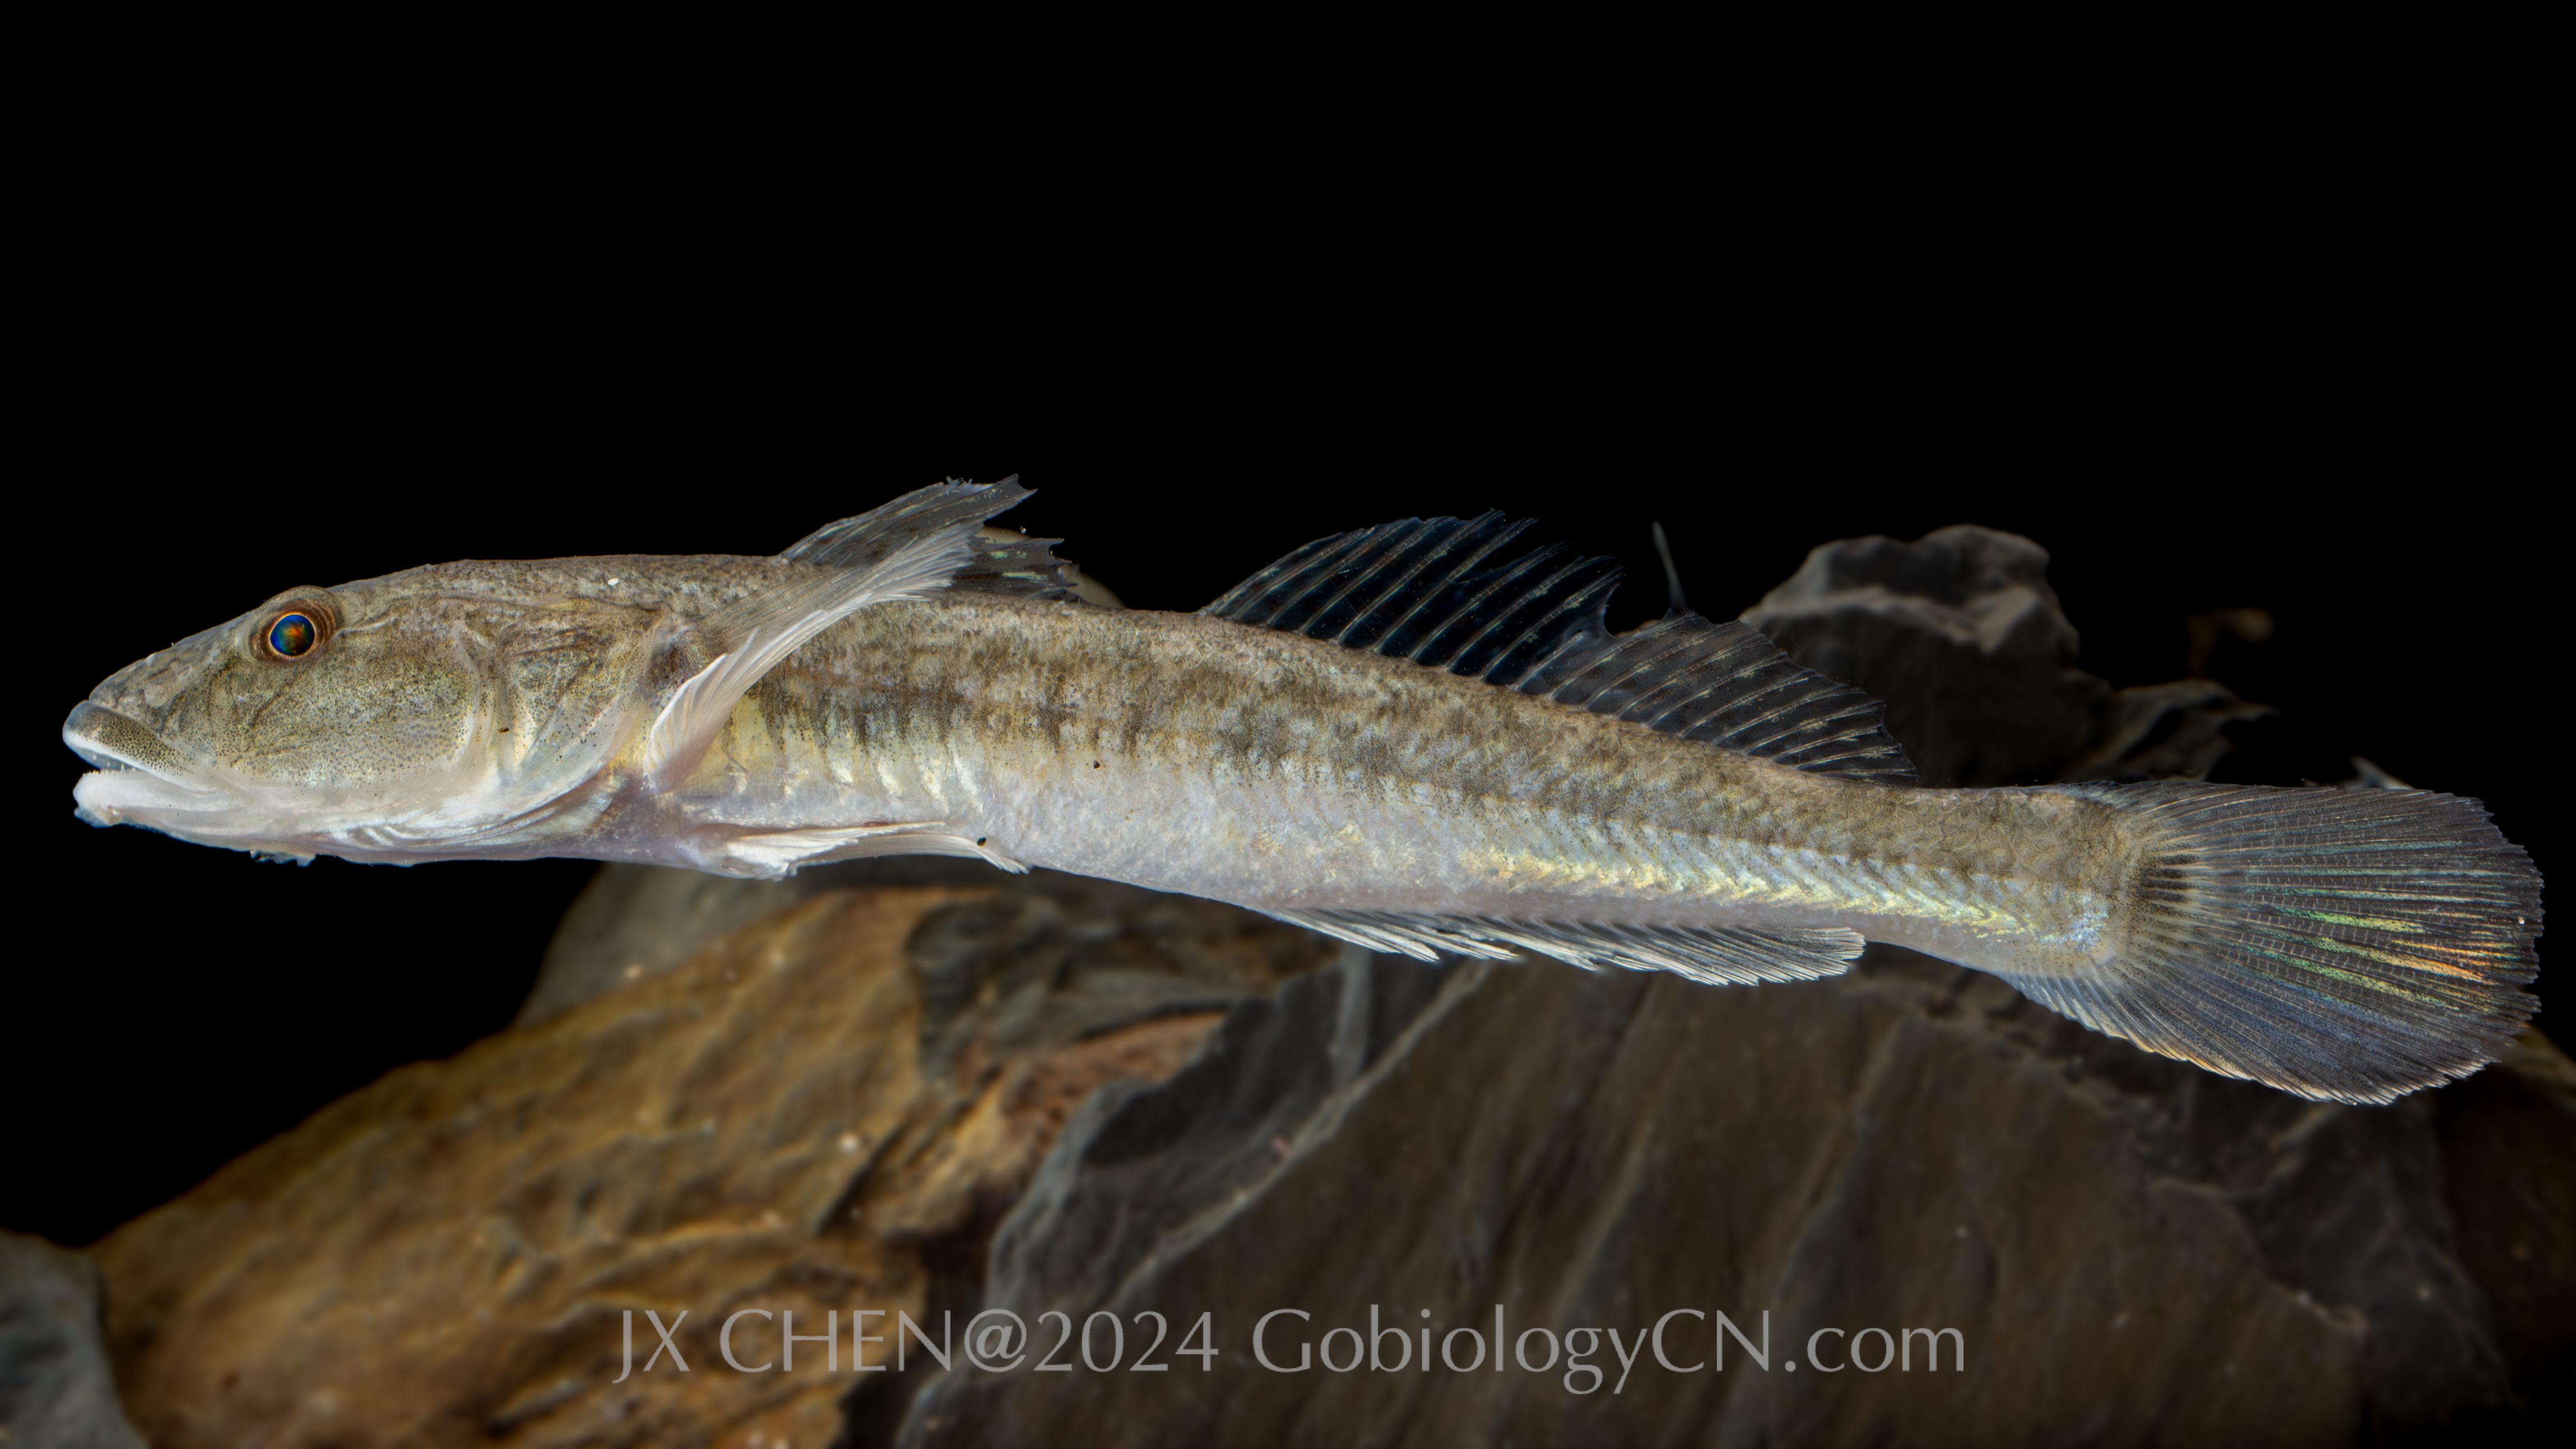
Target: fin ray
[
  {"x": 771, "y": 855},
  {"x": 2346, "y": 945},
  {"x": 1715, "y": 955},
  {"x": 1422, "y": 589},
  {"x": 994, "y": 565},
  {"x": 768, "y": 627}
]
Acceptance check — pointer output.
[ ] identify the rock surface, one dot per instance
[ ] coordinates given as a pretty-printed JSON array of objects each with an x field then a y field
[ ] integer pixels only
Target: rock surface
[
  {"x": 1959, "y": 634},
  {"x": 2508, "y": 1143},
  {"x": 802, "y": 1117},
  {"x": 2132, "y": 1249},
  {"x": 55, "y": 1389}
]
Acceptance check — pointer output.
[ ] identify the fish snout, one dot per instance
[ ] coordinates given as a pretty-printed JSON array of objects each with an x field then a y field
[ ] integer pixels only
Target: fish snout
[{"x": 137, "y": 769}]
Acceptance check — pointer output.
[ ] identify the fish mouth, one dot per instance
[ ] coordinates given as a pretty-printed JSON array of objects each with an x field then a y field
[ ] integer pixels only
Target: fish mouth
[{"x": 138, "y": 772}]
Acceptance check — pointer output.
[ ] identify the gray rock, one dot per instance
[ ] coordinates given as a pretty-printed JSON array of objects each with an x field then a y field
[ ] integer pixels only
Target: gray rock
[
  {"x": 2132, "y": 1250},
  {"x": 2507, "y": 1138},
  {"x": 55, "y": 1389},
  {"x": 2162, "y": 732},
  {"x": 1962, "y": 638},
  {"x": 1053, "y": 958},
  {"x": 1141, "y": 1172}
]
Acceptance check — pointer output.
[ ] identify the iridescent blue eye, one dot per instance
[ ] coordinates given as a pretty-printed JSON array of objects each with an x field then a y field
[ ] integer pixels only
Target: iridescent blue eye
[{"x": 292, "y": 636}]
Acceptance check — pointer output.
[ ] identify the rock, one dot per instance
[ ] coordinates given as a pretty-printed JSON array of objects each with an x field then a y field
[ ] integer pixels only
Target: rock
[
  {"x": 1962, "y": 638},
  {"x": 1959, "y": 634},
  {"x": 634, "y": 921},
  {"x": 2507, "y": 1138},
  {"x": 804, "y": 1116},
  {"x": 2204, "y": 633},
  {"x": 2162, "y": 732},
  {"x": 2131, "y": 1248},
  {"x": 55, "y": 1390}
]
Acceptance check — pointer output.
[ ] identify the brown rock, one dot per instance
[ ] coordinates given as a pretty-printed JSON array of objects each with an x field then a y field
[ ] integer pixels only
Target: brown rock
[
  {"x": 635, "y": 921},
  {"x": 780, "y": 1123}
]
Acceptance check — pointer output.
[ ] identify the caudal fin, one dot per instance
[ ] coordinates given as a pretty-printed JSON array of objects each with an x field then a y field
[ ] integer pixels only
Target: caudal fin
[{"x": 2351, "y": 945}]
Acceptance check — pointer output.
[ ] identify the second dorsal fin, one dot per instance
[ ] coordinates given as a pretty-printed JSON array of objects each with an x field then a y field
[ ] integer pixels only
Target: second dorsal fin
[{"x": 1429, "y": 590}]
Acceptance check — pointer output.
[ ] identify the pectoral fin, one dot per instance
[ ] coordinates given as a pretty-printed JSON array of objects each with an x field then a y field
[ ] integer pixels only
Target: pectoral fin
[
  {"x": 771, "y": 854},
  {"x": 768, "y": 627}
]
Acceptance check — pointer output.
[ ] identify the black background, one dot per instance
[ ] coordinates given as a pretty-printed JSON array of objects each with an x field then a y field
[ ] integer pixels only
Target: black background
[{"x": 2238, "y": 395}]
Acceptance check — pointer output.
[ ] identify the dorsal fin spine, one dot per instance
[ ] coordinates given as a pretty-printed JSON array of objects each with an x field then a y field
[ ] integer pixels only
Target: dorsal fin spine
[
  {"x": 1393, "y": 545},
  {"x": 1444, "y": 659},
  {"x": 1531, "y": 630},
  {"x": 1413, "y": 607},
  {"x": 1440, "y": 546},
  {"x": 1413, "y": 610},
  {"x": 1476, "y": 641},
  {"x": 1300, "y": 611},
  {"x": 1410, "y": 531},
  {"x": 1592, "y": 601},
  {"x": 1536, "y": 620}
]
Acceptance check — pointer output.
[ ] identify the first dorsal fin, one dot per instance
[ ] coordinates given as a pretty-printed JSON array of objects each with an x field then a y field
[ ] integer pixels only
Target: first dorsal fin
[
  {"x": 1423, "y": 589},
  {"x": 994, "y": 565}
]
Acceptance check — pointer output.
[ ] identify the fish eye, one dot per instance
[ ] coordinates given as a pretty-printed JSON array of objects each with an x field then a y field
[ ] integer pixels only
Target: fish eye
[
  {"x": 293, "y": 625},
  {"x": 291, "y": 635}
]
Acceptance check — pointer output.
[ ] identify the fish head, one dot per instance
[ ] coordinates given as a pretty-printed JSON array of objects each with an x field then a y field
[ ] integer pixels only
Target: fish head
[{"x": 457, "y": 710}]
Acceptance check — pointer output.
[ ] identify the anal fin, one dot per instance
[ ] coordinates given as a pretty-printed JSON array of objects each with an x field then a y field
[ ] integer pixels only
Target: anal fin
[{"x": 1715, "y": 955}]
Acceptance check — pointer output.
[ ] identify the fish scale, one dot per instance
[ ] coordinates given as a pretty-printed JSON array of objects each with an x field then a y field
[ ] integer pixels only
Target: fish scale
[{"x": 1438, "y": 794}]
